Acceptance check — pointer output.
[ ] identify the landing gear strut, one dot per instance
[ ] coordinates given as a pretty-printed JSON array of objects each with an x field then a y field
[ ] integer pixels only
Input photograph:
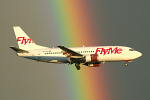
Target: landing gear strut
[
  {"x": 77, "y": 66},
  {"x": 126, "y": 64}
]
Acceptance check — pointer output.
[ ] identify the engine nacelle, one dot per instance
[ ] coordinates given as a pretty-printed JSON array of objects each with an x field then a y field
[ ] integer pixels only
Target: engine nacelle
[
  {"x": 94, "y": 65},
  {"x": 92, "y": 58}
]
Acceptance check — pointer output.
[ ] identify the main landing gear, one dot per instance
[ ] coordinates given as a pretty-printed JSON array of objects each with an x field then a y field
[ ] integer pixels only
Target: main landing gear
[{"x": 77, "y": 66}]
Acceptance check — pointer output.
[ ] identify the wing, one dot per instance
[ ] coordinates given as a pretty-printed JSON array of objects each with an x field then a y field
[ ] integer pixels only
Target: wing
[{"x": 70, "y": 53}]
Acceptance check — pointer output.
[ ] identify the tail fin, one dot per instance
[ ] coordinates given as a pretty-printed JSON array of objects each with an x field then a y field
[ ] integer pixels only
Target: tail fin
[{"x": 24, "y": 42}]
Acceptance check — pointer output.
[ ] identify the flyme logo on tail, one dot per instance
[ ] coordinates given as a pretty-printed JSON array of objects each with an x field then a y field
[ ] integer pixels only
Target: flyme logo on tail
[
  {"x": 103, "y": 51},
  {"x": 24, "y": 40}
]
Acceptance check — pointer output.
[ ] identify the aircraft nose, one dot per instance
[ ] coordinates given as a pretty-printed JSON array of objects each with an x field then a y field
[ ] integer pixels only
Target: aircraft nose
[
  {"x": 139, "y": 54},
  {"x": 136, "y": 54}
]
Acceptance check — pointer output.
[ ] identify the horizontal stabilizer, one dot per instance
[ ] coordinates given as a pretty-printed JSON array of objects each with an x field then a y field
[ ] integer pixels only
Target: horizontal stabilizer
[{"x": 18, "y": 50}]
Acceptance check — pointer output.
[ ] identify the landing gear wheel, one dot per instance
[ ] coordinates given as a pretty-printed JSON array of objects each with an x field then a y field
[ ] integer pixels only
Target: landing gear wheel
[
  {"x": 77, "y": 66},
  {"x": 126, "y": 64}
]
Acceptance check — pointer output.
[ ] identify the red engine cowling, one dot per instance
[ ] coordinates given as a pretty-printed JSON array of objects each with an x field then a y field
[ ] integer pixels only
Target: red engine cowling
[
  {"x": 92, "y": 58},
  {"x": 94, "y": 65}
]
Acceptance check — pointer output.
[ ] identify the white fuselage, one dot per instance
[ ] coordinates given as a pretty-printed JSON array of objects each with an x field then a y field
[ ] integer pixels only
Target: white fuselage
[{"x": 105, "y": 53}]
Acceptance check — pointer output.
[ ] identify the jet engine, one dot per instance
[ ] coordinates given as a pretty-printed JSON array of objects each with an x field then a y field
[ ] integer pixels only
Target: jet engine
[
  {"x": 94, "y": 64},
  {"x": 92, "y": 60}
]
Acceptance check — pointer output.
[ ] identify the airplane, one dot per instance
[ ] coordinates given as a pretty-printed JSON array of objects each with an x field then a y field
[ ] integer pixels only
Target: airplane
[{"x": 89, "y": 56}]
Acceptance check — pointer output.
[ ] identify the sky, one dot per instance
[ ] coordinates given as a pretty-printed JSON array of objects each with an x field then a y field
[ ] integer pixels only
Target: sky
[{"x": 75, "y": 23}]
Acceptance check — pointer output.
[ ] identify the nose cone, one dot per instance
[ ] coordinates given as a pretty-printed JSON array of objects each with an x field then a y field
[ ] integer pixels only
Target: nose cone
[
  {"x": 135, "y": 54},
  {"x": 138, "y": 54}
]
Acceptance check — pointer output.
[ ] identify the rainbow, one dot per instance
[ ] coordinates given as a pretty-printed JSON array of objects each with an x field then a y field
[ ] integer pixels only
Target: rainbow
[{"x": 74, "y": 27}]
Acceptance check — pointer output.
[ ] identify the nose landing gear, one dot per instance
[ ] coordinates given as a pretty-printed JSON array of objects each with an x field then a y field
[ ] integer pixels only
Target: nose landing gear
[{"x": 126, "y": 64}]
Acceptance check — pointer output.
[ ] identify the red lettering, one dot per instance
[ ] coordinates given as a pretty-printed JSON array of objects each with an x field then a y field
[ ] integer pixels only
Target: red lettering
[
  {"x": 116, "y": 50},
  {"x": 18, "y": 39},
  {"x": 119, "y": 50},
  {"x": 97, "y": 50},
  {"x": 24, "y": 40}
]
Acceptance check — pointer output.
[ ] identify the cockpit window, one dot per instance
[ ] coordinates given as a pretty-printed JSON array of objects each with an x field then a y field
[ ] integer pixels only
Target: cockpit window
[{"x": 131, "y": 49}]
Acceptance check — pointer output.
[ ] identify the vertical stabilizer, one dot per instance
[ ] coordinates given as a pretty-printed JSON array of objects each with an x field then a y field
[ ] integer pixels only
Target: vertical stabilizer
[{"x": 24, "y": 41}]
